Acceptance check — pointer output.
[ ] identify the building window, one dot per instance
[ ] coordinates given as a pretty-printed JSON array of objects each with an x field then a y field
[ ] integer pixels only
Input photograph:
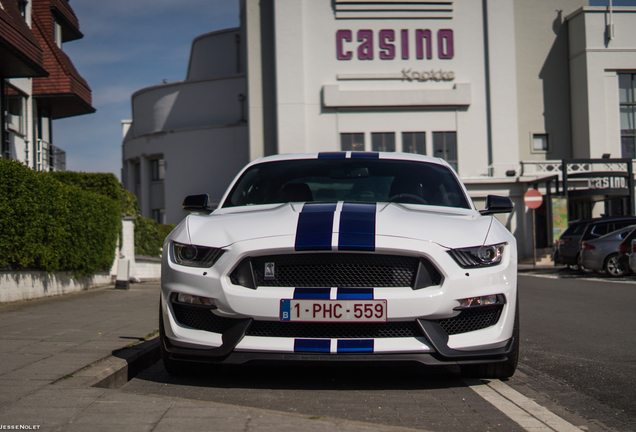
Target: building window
[
  {"x": 445, "y": 147},
  {"x": 137, "y": 173},
  {"x": 41, "y": 155},
  {"x": 157, "y": 169},
  {"x": 58, "y": 34},
  {"x": 627, "y": 98},
  {"x": 414, "y": 142},
  {"x": 15, "y": 113},
  {"x": 159, "y": 215},
  {"x": 540, "y": 143},
  {"x": 22, "y": 5},
  {"x": 383, "y": 141},
  {"x": 352, "y": 141}
]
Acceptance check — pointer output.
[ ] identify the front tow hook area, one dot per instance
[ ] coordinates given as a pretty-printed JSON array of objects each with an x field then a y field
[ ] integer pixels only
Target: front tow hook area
[
  {"x": 231, "y": 338},
  {"x": 439, "y": 341}
]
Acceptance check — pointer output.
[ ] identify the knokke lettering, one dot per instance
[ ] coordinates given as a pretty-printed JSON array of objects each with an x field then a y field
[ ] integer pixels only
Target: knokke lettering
[{"x": 439, "y": 75}]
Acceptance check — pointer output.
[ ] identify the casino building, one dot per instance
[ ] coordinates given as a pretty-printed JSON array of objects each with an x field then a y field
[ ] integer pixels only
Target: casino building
[{"x": 511, "y": 93}]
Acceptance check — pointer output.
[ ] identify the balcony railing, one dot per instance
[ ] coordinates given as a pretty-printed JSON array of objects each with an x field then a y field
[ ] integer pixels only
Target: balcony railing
[{"x": 57, "y": 158}]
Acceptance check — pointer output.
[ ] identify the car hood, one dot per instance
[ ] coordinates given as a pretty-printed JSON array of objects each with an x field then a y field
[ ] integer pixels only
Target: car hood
[{"x": 446, "y": 226}]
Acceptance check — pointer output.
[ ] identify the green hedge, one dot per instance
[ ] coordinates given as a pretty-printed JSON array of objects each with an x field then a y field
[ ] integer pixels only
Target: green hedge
[
  {"x": 149, "y": 235},
  {"x": 49, "y": 223}
]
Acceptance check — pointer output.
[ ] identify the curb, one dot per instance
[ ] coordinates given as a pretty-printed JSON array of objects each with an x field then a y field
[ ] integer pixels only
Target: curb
[
  {"x": 524, "y": 268},
  {"x": 118, "y": 368}
]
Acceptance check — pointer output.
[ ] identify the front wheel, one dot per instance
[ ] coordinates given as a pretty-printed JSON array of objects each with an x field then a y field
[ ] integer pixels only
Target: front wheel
[
  {"x": 613, "y": 267},
  {"x": 501, "y": 370}
]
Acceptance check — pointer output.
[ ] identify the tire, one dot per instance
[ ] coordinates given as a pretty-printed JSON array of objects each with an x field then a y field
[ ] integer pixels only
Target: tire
[
  {"x": 173, "y": 367},
  {"x": 612, "y": 266},
  {"x": 501, "y": 370}
]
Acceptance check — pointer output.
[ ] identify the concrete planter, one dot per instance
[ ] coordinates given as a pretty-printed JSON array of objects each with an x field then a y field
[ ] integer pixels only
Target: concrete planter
[{"x": 31, "y": 284}]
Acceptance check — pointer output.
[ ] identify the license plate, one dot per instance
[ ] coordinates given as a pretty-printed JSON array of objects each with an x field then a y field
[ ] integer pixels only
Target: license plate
[{"x": 333, "y": 310}]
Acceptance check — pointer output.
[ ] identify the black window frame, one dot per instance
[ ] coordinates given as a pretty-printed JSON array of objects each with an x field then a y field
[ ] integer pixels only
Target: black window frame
[
  {"x": 446, "y": 143},
  {"x": 416, "y": 141},
  {"x": 352, "y": 141},
  {"x": 383, "y": 141},
  {"x": 628, "y": 136}
]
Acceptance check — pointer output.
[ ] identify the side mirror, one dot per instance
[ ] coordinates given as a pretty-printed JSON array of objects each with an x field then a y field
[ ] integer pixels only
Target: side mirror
[
  {"x": 197, "y": 203},
  {"x": 497, "y": 204}
]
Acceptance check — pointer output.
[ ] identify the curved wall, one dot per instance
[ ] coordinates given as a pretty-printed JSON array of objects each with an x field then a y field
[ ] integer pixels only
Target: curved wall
[
  {"x": 188, "y": 104},
  {"x": 215, "y": 54}
]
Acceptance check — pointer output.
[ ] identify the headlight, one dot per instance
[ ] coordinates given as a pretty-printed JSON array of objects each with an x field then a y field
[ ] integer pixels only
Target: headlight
[
  {"x": 195, "y": 256},
  {"x": 479, "y": 256}
]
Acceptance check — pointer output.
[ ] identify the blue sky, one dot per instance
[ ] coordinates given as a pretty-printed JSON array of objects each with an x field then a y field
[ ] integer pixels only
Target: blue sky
[{"x": 129, "y": 45}]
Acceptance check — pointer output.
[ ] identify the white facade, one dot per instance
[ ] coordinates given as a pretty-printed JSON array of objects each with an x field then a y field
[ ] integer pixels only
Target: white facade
[
  {"x": 518, "y": 86},
  {"x": 320, "y": 96},
  {"x": 595, "y": 62}
]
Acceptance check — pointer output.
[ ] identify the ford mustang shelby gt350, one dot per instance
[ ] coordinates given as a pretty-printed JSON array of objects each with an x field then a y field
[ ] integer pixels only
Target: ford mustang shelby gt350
[{"x": 342, "y": 256}]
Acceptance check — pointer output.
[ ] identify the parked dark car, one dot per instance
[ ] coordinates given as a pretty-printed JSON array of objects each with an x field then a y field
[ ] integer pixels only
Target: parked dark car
[
  {"x": 603, "y": 226},
  {"x": 568, "y": 247}
]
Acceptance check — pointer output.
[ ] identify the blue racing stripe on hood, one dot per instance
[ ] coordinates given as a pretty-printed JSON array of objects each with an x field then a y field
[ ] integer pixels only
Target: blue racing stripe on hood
[
  {"x": 357, "y": 227},
  {"x": 315, "y": 226}
]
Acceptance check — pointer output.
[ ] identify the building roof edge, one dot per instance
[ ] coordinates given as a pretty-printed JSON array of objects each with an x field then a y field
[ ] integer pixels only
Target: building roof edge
[{"x": 177, "y": 83}]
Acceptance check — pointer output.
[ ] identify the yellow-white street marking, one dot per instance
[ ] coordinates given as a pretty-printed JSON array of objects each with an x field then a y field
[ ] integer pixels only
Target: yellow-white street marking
[{"x": 527, "y": 413}]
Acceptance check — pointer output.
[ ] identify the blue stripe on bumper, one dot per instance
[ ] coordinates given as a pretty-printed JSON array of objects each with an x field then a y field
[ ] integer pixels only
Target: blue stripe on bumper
[
  {"x": 312, "y": 345},
  {"x": 355, "y": 294},
  {"x": 355, "y": 346},
  {"x": 312, "y": 293}
]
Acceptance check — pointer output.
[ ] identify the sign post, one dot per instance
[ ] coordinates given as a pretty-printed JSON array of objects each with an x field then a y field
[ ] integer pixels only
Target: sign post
[{"x": 533, "y": 199}]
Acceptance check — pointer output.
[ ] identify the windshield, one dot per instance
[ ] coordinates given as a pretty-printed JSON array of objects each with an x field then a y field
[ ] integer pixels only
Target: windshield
[{"x": 351, "y": 180}]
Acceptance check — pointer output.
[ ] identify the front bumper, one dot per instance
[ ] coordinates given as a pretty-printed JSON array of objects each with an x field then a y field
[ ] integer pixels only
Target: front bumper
[{"x": 435, "y": 336}]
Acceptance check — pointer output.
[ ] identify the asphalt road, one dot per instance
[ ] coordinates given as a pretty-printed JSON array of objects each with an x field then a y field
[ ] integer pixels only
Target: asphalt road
[
  {"x": 578, "y": 359},
  {"x": 582, "y": 332}
]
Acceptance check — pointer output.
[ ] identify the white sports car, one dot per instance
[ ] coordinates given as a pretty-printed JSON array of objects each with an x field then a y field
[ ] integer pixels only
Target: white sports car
[{"x": 342, "y": 256}]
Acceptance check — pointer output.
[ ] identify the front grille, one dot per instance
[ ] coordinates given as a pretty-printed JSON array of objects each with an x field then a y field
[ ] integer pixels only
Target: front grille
[
  {"x": 471, "y": 319},
  {"x": 335, "y": 330},
  {"x": 341, "y": 270}
]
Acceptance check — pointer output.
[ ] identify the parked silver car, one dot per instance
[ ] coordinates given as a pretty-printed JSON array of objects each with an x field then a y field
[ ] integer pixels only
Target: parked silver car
[
  {"x": 601, "y": 254},
  {"x": 632, "y": 257}
]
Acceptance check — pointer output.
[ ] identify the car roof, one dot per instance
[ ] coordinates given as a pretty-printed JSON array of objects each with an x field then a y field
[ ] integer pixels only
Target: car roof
[
  {"x": 613, "y": 233},
  {"x": 347, "y": 155},
  {"x": 612, "y": 219}
]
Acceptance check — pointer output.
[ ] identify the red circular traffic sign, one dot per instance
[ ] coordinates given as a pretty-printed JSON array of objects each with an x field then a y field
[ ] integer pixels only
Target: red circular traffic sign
[{"x": 533, "y": 199}]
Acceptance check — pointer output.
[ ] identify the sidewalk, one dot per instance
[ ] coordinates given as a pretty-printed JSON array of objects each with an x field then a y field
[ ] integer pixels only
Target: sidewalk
[{"x": 45, "y": 384}]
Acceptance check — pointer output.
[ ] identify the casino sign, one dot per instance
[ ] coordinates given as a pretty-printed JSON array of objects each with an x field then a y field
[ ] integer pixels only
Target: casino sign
[{"x": 599, "y": 180}]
